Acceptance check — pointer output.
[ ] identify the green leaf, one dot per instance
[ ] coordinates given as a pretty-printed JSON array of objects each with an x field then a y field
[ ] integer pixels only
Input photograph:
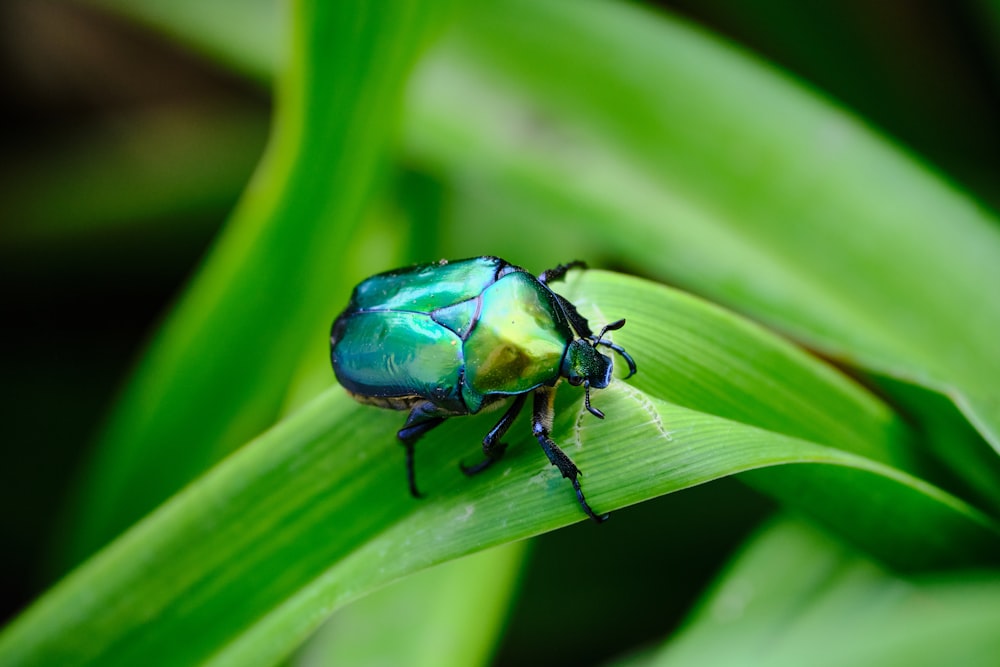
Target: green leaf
[
  {"x": 654, "y": 148},
  {"x": 219, "y": 369},
  {"x": 245, "y": 563},
  {"x": 790, "y": 210},
  {"x": 244, "y": 35},
  {"x": 190, "y": 160},
  {"x": 796, "y": 596},
  {"x": 689, "y": 160},
  {"x": 448, "y": 614}
]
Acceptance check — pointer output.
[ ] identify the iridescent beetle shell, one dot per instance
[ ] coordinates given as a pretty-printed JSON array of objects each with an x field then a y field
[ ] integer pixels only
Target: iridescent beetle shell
[{"x": 448, "y": 338}]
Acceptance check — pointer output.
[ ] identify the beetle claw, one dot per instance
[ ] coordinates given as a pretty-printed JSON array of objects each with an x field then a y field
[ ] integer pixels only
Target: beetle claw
[
  {"x": 477, "y": 468},
  {"x": 598, "y": 518}
]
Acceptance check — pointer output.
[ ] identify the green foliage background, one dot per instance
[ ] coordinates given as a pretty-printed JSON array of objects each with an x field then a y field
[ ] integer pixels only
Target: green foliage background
[{"x": 829, "y": 362}]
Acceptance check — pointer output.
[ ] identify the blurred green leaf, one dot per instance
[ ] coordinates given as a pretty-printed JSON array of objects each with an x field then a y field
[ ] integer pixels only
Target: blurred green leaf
[
  {"x": 651, "y": 147},
  {"x": 792, "y": 211},
  {"x": 217, "y": 372},
  {"x": 687, "y": 159},
  {"x": 795, "y": 596},
  {"x": 168, "y": 165},
  {"x": 245, "y": 36},
  {"x": 245, "y": 563},
  {"x": 446, "y": 615},
  {"x": 958, "y": 458},
  {"x": 912, "y": 70}
]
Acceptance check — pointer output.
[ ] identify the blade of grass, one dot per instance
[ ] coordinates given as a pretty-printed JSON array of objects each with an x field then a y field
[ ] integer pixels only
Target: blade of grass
[
  {"x": 702, "y": 166},
  {"x": 245, "y": 563},
  {"x": 795, "y": 596},
  {"x": 447, "y": 615},
  {"x": 783, "y": 211},
  {"x": 149, "y": 167},
  {"x": 950, "y": 441},
  {"x": 217, "y": 372},
  {"x": 253, "y": 45}
]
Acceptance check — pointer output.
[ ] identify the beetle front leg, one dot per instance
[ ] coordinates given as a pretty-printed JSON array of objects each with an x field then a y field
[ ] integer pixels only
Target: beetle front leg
[
  {"x": 423, "y": 417},
  {"x": 541, "y": 426},
  {"x": 576, "y": 320},
  {"x": 493, "y": 449}
]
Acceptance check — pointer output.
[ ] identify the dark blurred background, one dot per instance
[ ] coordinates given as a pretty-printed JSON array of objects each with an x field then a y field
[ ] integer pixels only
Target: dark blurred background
[{"x": 122, "y": 154}]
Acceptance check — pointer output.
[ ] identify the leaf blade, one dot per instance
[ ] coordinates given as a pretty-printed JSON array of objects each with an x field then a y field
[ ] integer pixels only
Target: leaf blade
[
  {"x": 794, "y": 593},
  {"x": 795, "y": 213},
  {"x": 205, "y": 385},
  {"x": 314, "y": 513}
]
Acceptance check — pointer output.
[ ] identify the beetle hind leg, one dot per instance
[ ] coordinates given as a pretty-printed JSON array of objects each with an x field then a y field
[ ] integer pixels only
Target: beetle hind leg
[
  {"x": 493, "y": 448},
  {"x": 423, "y": 417}
]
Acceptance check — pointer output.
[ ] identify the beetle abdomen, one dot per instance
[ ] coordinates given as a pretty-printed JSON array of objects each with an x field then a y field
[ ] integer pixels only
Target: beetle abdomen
[
  {"x": 457, "y": 334},
  {"x": 398, "y": 354},
  {"x": 390, "y": 402}
]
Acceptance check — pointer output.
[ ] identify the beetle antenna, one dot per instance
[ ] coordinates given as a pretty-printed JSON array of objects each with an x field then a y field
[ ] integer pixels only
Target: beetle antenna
[
  {"x": 614, "y": 326},
  {"x": 586, "y": 401}
]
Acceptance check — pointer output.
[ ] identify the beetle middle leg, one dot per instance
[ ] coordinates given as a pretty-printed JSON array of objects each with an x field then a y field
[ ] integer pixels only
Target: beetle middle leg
[
  {"x": 541, "y": 426},
  {"x": 423, "y": 417},
  {"x": 493, "y": 448}
]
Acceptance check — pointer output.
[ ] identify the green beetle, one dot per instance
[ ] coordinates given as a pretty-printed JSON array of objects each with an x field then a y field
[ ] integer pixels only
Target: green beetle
[{"x": 451, "y": 338}]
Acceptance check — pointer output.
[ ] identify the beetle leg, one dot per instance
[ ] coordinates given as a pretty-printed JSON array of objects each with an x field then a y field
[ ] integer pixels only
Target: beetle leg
[
  {"x": 493, "y": 449},
  {"x": 423, "y": 417},
  {"x": 550, "y": 275},
  {"x": 541, "y": 426},
  {"x": 576, "y": 320}
]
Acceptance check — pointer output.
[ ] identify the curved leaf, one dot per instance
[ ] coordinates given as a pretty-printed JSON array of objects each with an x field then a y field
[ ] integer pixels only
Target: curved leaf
[
  {"x": 251, "y": 45},
  {"x": 445, "y": 615},
  {"x": 217, "y": 372},
  {"x": 795, "y": 596},
  {"x": 245, "y": 563},
  {"x": 754, "y": 191},
  {"x": 704, "y": 167}
]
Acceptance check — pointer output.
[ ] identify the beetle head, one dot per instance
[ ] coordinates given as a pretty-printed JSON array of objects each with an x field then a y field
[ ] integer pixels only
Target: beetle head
[{"x": 583, "y": 364}]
